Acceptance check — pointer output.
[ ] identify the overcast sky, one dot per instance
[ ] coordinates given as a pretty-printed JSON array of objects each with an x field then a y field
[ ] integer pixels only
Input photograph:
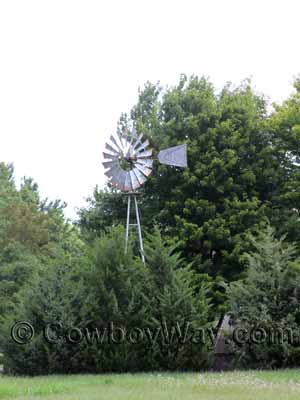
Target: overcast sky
[{"x": 68, "y": 69}]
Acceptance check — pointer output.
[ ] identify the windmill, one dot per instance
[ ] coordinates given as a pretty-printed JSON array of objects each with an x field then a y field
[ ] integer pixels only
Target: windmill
[{"x": 129, "y": 162}]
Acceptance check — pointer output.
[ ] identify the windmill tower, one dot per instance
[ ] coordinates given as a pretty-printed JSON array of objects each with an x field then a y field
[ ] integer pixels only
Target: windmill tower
[{"x": 129, "y": 163}]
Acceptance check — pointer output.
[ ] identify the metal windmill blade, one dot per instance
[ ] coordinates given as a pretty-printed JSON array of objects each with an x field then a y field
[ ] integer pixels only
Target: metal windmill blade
[{"x": 128, "y": 161}]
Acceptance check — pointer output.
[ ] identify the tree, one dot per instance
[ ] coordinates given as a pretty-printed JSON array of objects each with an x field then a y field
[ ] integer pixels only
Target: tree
[
  {"x": 106, "y": 208},
  {"x": 52, "y": 298},
  {"x": 33, "y": 236},
  {"x": 268, "y": 299},
  {"x": 178, "y": 302}
]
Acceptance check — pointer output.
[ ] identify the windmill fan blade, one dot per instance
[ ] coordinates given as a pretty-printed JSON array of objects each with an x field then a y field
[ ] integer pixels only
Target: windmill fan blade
[
  {"x": 176, "y": 156},
  {"x": 114, "y": 181},
  {"x": 140, "y": 177},
  {"x": 138, "y": 141},
  {"x": 120, "y": 138},
  {"x": 110, "y": 156},
  {"x": 112, "y": 171},
  {"x": 120, "y": 178},
  {"x": 134, "y": 181},
  {"x": 116, "y": 143},
  {"x": 116, "y": 175},
  {"x": 109, "y": 164},
  {"x": 128, "y": 185},
  {"x": 130, "y": 145},
  {"x": 145, "y": 154},
  {"x": 129, "y": 148},
  {"x": 111, "y": 149},
  {"x": 144, "y": 170},
  {"x": 143, "y": 146},
  {"x": 147, "y": 162}
]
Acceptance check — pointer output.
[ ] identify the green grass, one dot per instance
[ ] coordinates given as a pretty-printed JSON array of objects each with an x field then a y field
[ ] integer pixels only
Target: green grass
[{"x": 249, "y": 385}]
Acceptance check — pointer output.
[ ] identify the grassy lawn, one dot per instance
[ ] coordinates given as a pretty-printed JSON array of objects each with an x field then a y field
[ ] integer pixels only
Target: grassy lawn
[{"x": 262, "y": 385}]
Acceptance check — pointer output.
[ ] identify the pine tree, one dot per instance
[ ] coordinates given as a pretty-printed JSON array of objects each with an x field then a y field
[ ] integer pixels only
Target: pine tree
[
  {"x": 177, "y": 303},
  {"x": 268, "y": 298}
]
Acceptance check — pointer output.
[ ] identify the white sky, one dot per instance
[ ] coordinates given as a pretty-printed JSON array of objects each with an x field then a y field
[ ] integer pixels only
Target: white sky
[{"x": 69, "y": 68}]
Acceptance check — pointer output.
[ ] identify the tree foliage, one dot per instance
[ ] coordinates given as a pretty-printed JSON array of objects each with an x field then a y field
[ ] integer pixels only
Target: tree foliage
[
  {"x": 268, "y": 299},
  {"x": 114, "y": 293},
  {"x": 241, "y": 170}
]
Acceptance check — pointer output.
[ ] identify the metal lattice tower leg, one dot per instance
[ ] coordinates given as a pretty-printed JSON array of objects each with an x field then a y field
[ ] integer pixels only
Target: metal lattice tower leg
[{"x": 137, "y": 225}]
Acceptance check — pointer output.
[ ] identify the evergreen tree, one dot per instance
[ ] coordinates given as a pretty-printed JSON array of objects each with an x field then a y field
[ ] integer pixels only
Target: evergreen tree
[
  {"x": 268, "y": 299},
  {"x": 178, "y": 303}
]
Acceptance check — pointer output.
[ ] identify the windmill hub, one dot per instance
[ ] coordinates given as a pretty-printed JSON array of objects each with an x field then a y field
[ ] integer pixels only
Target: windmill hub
[
  {"x": 127, "y": 162},
  {"x": 132, "y": 157}
]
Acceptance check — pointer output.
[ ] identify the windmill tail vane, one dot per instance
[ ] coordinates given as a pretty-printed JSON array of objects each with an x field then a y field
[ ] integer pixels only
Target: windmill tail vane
[{"x": 128, "y": 160}]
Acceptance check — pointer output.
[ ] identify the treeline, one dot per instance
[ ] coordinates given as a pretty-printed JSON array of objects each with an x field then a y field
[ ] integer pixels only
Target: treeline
[{"x": 214, "y": 244}]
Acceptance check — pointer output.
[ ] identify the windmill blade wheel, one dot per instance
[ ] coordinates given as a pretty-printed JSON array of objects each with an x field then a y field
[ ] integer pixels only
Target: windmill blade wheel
[{"x": 128, "y": 161}]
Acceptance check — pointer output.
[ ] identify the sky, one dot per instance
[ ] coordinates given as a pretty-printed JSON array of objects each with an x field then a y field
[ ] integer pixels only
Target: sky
[{"x": 68, "y": 69}]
